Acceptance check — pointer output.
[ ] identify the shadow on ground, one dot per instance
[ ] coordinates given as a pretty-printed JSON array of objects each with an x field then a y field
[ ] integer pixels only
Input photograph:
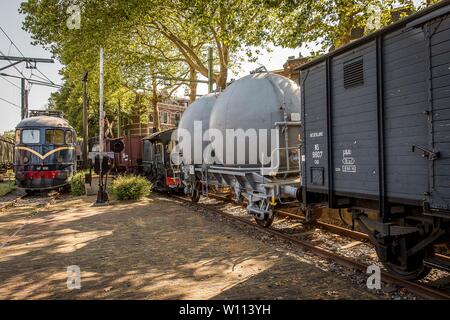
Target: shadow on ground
[{"x": 152, "y": 249}]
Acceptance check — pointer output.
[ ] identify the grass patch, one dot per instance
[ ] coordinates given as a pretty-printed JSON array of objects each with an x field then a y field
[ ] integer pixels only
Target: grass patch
[
  {"x": 129, "y": 187},
  {"x": 6, "y": 187},
  {"x": 77, "y": 184}
]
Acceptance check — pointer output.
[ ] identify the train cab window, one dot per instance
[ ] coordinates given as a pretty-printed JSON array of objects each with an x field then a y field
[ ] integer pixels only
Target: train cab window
[
  {"x": 54, "y": 136},
  {"x": 17, "y": 136},
  {"x": 31, "y": 136},
  {"x": 69, "y": 137}
]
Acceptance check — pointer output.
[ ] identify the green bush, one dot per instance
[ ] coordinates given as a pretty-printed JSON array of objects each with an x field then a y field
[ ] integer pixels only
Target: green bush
[
  {"x": 130, "y": 187},
  {"x": 77, "y": 184}
]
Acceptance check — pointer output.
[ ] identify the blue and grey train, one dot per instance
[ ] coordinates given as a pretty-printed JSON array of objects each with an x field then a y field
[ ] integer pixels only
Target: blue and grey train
[{"x": 45, "y": 151}]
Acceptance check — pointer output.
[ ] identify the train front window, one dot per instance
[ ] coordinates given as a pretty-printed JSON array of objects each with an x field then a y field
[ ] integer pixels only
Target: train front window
[
  {"x": 30, "y": 136},
  {"x": 54, "y": 136},
  {"x": 69, "y": 137}
]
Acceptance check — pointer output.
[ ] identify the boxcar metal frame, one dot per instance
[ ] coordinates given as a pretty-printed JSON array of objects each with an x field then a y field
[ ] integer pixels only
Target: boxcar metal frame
[{"x": 323, "y": 98}]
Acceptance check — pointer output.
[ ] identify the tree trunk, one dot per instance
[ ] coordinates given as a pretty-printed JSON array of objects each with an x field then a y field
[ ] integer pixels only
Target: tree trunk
[
  {"x": 192, "y": 85},
  {"x": 156, "y": 123},
  {"x": 221, "y": 81}
]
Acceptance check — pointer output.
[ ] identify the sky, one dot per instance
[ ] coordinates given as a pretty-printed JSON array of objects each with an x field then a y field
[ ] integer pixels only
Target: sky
[{"x": 11, "y": 22}]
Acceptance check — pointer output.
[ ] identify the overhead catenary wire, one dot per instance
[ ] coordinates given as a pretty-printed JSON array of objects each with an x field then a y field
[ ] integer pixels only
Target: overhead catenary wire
[
  {"x": 11, "y": 103},
  {"x": 12, "y": 42},
  {"x": 48, "y": 79},
  {"x": 15, "y": 85},
  {"x": 15, "y": 67},
  {"x": 39, "y": 77},
  {"x": 21, "y": 53}
]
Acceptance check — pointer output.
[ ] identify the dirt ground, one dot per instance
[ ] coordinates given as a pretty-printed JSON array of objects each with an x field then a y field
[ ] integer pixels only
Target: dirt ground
[{"x": 152, "y": 249}]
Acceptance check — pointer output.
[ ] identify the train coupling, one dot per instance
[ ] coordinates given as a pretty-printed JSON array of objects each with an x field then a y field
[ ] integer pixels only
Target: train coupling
[{"x": 290, "y": 191}]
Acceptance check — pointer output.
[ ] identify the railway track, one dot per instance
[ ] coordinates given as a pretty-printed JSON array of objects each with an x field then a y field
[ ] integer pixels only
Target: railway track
[
  {"x": 39, "y": 206},
  {"x": 414, "y": 287},
  {"x": 353, "y": 234},
  {"x": 11, "y": 203}
]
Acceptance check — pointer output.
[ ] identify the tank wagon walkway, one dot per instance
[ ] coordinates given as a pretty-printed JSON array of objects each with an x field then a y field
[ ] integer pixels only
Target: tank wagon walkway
[{"x": 152, "y": 249}]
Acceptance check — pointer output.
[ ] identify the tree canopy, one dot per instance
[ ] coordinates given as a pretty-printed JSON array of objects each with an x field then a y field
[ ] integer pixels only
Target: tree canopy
[
  {"x": 143, "y": 40},
  {"x": 146, "y": 41},
  {"x": 329, "y": 24}
]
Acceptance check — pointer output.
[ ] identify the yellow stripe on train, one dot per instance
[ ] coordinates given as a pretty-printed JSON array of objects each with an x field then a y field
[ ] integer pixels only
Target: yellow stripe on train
[{"x": 42, "y": 157}]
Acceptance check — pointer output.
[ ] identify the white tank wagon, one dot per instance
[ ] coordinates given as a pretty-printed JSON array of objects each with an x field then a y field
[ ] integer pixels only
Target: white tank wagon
[
  {"x": 192, "y": 139},
  {"x": 193, "y": 125},
  {"x": 254, "y": 138}
]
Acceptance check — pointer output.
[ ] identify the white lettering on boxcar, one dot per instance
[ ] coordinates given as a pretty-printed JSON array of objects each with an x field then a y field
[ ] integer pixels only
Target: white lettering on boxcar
[
  {"x": 348, "y": 162},
  {"x": 316, "y": 134},
  {"x": 317, "y": 154}
]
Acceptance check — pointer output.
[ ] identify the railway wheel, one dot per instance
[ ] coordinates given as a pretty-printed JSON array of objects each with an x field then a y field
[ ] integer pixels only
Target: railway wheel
[
  {"x": 195, "y": 195},
  {"x": 266, "y": 222},
  {"x": 269, "y": 215},
  {"x": 414, "y": 269}
]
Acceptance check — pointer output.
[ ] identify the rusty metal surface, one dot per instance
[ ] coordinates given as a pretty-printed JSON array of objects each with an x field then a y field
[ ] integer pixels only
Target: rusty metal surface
[{"x": 130, "y": 158}]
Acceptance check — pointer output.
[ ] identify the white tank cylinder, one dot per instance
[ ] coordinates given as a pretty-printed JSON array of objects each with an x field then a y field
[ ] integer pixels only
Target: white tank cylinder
[
  {"x": 251, "y": 106},
  {"x": 193, "y": 124}
]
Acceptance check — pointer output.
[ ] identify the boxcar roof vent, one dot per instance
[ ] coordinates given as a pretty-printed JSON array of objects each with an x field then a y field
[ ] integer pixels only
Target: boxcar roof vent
[{"x": 353, "y": 73}]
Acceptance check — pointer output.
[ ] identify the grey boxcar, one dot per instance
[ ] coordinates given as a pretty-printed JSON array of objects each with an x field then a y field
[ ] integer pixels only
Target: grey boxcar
[{"x": 376, "y": 128}]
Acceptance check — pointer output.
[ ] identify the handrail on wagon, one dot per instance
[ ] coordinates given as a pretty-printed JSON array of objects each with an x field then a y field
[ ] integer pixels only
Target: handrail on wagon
[{"x": 273, "y": 170}]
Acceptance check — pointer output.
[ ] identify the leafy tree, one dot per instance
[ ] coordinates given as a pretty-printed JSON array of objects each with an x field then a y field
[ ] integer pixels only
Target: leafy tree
[
  {"x": 329, "y": 24},
  {"x": 11, "y": 135},
  {"x": 127, "y": 67},
  {"x": 145, "y": 41},
  {"x": 189, "y": 27}
]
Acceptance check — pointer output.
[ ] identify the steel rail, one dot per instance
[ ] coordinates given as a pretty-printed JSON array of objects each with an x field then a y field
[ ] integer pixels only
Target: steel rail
[
  {"x": 51, "y": 199},
  {"x": 356, "y": 235},
  {"x": 416, "y": 288},
  {"x": 12, "y": 202}
]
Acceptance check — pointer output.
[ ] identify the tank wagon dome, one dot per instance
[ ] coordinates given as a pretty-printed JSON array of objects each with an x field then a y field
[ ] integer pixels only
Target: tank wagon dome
[
  {"x": 257, "y": 101},
  {"x": 199, "y": 111},
  {"x": 43, "y": 121}
]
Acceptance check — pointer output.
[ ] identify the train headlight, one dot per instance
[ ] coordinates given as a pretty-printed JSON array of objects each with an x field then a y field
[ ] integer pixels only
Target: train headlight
[
  {"x": 26, "y": 159},
  {"x": 59, "y": 159}
]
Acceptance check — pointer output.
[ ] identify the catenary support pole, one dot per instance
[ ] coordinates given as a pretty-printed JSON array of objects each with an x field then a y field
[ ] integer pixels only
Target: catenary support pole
[
  {"x": 102, "y": 196},
  {"x": 23, "y": 100},
  {"x": 85, "y": 122}
]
